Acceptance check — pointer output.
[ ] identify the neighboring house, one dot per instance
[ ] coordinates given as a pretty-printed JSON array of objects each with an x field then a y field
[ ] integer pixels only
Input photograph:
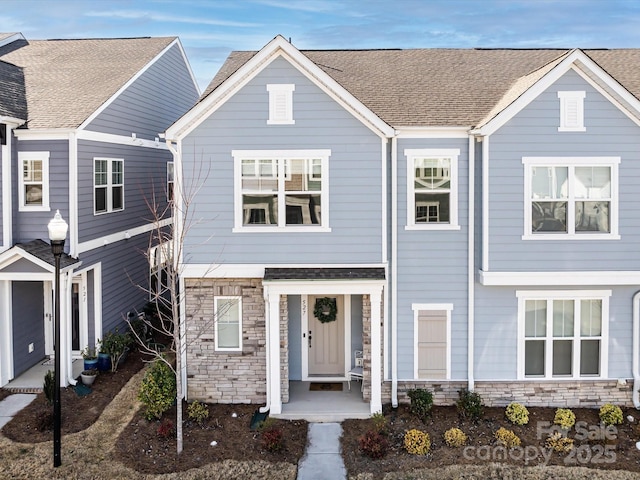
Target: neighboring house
[
  {"x": 472, "y": 212},
  {"x": 80, "y": 122}
]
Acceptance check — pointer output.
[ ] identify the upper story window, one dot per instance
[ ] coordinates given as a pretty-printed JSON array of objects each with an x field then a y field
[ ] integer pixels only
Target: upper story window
[
  {"x": 571, "y": 111},
  {"x": 228, "y": 323},
  {"x": 281, "y": 104},
  {"x": 571, "y": 197},
  {"x": 432, "y": 188},
  {"x": 170, "y": 180},
  {"x": 34, "y": 181},
  {"x": 281, "y": 190},
  {"x": 108, "y": 185}
]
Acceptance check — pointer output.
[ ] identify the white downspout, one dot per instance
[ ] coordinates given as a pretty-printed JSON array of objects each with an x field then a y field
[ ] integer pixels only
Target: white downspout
[
  {"x": 471, "y": 264},
  {"x": 636, "y": 350},
  {"x": 267, "y": 344},
  {"x": 394, "y": 272}
]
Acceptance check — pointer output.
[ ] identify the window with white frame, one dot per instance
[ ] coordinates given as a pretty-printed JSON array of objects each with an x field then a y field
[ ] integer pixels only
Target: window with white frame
[
  {"x": 573, "y": 197},
  {"x": 432, "y": 341},
  {"x": 571, "y": 111},
  {"x": 108, "y": 185},
  {"x": 432, "y": 188},
  {"x": 278, "y": 189},
  {"x": 281, "y": 104},
  {"x": 170, "y": 180},
  {"x": 228, "y": 323},
  {"x": 563, "y": 334},
  {"x": 160, "y": 258},
  {"x": 34, "y": 181}
]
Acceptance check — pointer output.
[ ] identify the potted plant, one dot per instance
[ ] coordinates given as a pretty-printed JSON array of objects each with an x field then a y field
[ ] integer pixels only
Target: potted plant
[
  {"x": 116, "y": 345},
  {"x": 90, "y": 357},
  {"x": 89, "y": 376},
  {"x": 104, "y": 359}
]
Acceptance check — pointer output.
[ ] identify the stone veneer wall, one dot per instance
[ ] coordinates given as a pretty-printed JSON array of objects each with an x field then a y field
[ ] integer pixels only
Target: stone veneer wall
[
  {"x": 225, "y": 377},
  {"x": 569, "y": 394}
]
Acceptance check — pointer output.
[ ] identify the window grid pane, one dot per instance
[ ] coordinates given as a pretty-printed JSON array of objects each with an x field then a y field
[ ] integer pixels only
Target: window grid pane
[
  {"x": 563, "y": 313},
  {"x": 591, "y": 318}
]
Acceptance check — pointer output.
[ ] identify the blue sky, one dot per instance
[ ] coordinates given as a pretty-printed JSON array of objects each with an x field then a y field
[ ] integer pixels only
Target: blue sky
[{"x": 210, "y": 29}]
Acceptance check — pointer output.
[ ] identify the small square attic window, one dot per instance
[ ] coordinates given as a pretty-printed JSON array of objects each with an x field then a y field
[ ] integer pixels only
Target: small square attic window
[
  {"x": 280, "y": 104},
  {"x": 571, "y": 111}
]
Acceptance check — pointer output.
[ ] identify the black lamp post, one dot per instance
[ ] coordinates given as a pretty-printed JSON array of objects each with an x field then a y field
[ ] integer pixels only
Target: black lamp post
[{"x": 57, "y": 235}]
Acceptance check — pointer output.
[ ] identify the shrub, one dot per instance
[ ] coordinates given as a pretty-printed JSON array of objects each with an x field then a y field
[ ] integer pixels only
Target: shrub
[
  {"x": 559, "y": 443},
  {"x": 158, "y": 390},
  {"x": 379, "y": 422},
  {"x": 454, "y": 437},
  {"x": 373, "y": 444},
  {"x": 610, "y": 414},
  {"x": 49, "y": 385},
  {"x": 272, "y": 439},
  {"x": 165, "y": 429},
  {"x": 421, "y": 402},
  {"x": 507, "y": 438},
  {"x": 565, "y": 418},
  {"x": 417, "y": 442},
  {"x": 470, "y": 405},
  {"x": 44, "y": 421},
  {"x": 115, "y": 344},
  {"x": 517, "y": 413},
  {"x": 197, "y": 412}
]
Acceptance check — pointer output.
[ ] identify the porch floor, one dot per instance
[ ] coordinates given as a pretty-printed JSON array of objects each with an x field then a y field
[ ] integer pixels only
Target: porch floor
[
  {"x": 324, "y": 406},
  {"x": 32, "y": 380}
]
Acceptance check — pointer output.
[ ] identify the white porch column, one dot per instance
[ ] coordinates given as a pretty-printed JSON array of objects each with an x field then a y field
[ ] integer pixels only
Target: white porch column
[
  {"x": 376, "y": 354},
  {"x": 273, "y": 352},
  {"x": 6, "y": 333},
  {"x": 66, "y": 367}
]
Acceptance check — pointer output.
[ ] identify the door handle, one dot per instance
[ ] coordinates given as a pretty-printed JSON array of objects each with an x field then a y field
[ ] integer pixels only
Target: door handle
[{"x": 309, "y": 337}]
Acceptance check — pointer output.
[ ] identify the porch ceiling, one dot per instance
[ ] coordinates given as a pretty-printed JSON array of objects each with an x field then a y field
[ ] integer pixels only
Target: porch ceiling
[{"x": 304, "y": 273}]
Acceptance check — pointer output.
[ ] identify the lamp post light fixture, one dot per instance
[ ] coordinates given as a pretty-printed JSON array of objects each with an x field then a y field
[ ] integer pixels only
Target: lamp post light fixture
[{"x": 57, "y": 235}]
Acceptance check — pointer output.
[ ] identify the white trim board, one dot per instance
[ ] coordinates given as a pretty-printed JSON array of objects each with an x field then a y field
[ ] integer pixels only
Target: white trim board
[
  {"x": 123, "y": 235},
  {"x": 574, "y": 278}
]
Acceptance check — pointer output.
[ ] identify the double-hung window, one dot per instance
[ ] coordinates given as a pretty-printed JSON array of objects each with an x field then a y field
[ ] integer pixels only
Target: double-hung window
[
  {"x": 228, "y": 323},
  {"x": 281, "y": 190},
  {"x": 563, "y": 334},
  {"x": 33, "y": 193},
  {"x": 108, "y": 185},
  {"x": 432, "y": 188},
  {"x": 170, "y": 180},
  {"x": 571, "y": 197}
]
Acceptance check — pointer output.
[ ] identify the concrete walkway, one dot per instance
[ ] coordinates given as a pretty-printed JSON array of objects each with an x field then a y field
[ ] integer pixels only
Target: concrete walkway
[
  {"x": 13, "y": 404},
  {"x": 322, "y": 460}
]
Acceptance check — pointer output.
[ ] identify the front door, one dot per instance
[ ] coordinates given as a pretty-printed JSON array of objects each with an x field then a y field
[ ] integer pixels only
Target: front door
[{"x": 326, "y": 341}]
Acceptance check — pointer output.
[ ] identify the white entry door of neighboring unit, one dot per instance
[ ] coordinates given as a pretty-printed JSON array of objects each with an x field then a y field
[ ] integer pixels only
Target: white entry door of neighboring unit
[{"x": 326, "y": 341}]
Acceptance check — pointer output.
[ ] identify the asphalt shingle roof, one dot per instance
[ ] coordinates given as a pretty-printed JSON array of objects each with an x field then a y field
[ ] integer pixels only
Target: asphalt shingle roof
[
  {"x": 443, "y": 87},
  {"x": 364, "y": 273},
  {"x": 42, "y": 250},
  {"x": 67, "y": 80}
]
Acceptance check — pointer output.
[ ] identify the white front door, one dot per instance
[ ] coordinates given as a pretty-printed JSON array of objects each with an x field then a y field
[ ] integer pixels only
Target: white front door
[{"x": 326, "y": 341}]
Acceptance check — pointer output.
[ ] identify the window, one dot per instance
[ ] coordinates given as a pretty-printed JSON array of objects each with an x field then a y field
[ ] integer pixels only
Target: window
[
  {"x": 432, "y": 337},
  {"x": 160, "y": 258},
  {"x": 563, "y": 334},
  {"x": 571, "y": 197},
  {"x": 34, "y": 181},
  {"x": 170, "y": 180},
  {"x": 278, "y": 190},
  {"x": 281, "y": 104},
  {"x": 108, "y": 186},
  {"x": 571, "y": 111},
  {"x": 228, "y": 323},
  {"x": 432, "y": 188}
]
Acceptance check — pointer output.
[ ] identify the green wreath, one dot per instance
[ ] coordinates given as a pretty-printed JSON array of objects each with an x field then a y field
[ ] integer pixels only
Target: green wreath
[{"x": 325, "y": 309}]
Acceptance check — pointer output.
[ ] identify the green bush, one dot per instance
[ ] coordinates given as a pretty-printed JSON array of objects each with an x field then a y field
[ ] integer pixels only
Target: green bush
[
  {"x": 517, "y": 413},
  {"x": 49, "y": 385},
  {"x": 565, "y": 418},
  {"x": 379, "y": 422},
  {"x": 158, "y": 390},
  {"x": 417, "y": 442},
  {"x": 507, "y": 438},
  {"x": 454, "y": 437},
  {"x": 421, "y": 403},
  {"x": 610, "y": 414},
  {"x": 197, "y": 412},
  {"x": 470, "y": 405}
]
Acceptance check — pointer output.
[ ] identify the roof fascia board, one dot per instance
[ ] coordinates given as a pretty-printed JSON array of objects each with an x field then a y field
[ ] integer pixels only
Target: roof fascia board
[
  {"x": 138, "y": 74},
  {"x": 11, "y": 39},
  {"x": 186, "y": 61},
  {"x": 12, "y": 121},
  {"x": 16, "y": 253},
  {"x": 277, "y": 47},
  {"x": 44, "y": 134},
  {"x": 547, "y": 80},
  {"x": 433, "y": 132}
]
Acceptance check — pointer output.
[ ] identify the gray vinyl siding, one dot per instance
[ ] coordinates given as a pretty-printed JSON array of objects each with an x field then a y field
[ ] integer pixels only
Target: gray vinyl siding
[
  {"x": 355, "y": 177},
  {"x": 432, "y": 264},
  {"x": 145, "y": 178},
  {"x": 28, "y": 324},
  {"x": 124, "y": 270},
  {"x": 30, "y": 225},
  {"x": 295, "y": 337},
  {"x": 534, "y": 132},
  {"x": 496, "y": 334},
  {"x": 152, "y": 102}
]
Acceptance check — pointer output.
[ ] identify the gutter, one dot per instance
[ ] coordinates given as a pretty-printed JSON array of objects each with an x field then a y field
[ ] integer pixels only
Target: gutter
[
  {"x": 636, "y": 350},
  {"x": 471, "y": 266},
  {"x": 394, "y": 272}
]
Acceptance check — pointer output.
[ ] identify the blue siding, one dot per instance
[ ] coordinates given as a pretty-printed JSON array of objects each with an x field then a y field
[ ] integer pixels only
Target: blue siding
[
  {"x": 295, "y": 337},
  {"x": 355, "y": 177},
  {"x": 534, "y": 132},
  {"x": 432, "y": 265},
  {"x": 28, "y": 324},
  {"x": 153, "y": 101}
]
